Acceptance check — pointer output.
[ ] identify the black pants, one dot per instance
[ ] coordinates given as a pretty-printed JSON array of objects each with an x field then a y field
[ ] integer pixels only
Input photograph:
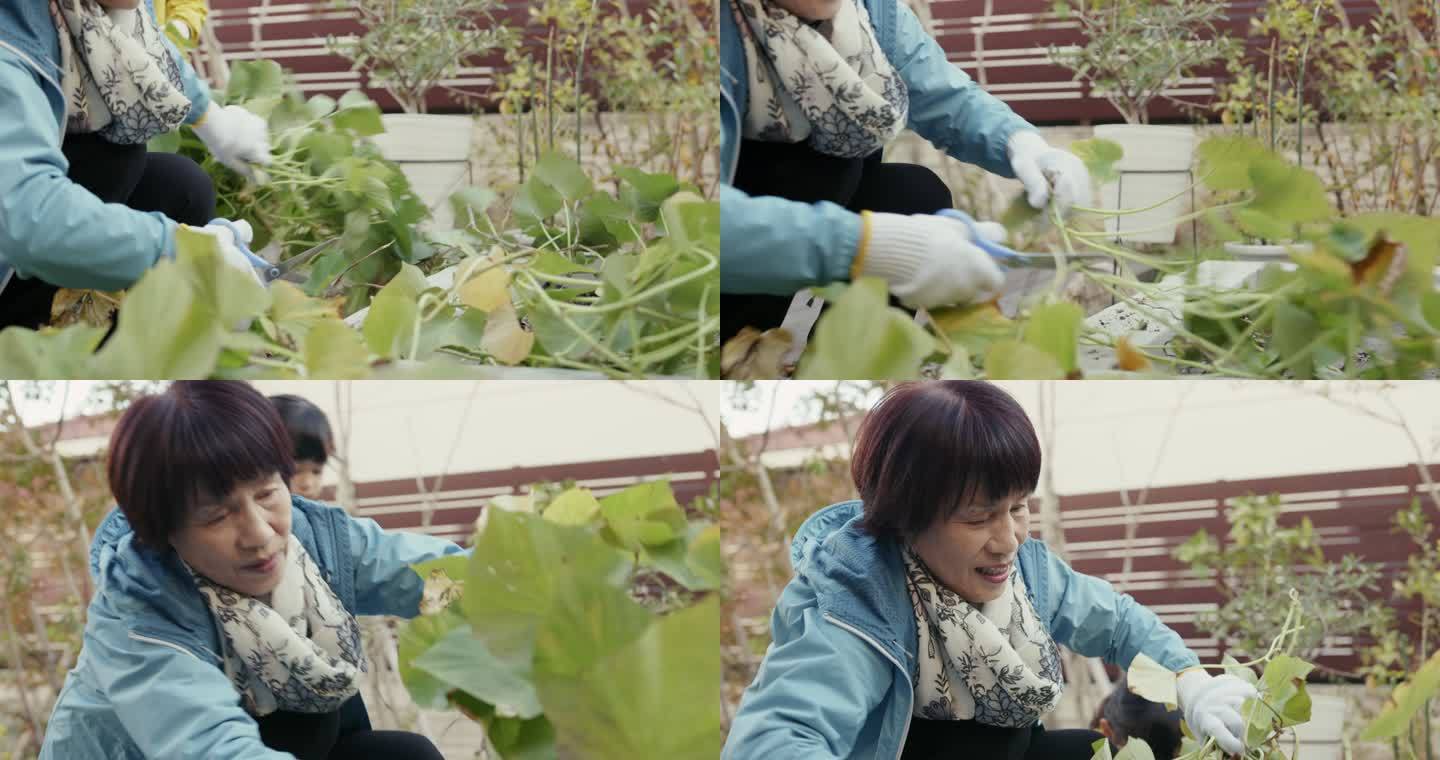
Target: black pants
[
  {"x": 798, "y": 173},
  {"x": 319, "y": 737},
  {"x": 127, "y": 174},
  {"x": 963, "y": 739}
]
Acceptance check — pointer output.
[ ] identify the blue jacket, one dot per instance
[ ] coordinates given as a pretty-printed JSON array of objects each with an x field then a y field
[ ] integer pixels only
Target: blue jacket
[
  {"x": 50, "y": 227},
  {"x": 775, "y": 246},
  {"x": 150, "y": 683},
  {"x": 838, "y": 678}
]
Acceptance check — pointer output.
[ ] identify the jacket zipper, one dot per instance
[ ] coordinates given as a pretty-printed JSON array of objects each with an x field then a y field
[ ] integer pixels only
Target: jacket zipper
[
  {"x": 911, "y": 691},
  {"x": 164, "y": 643},
  {"x": 729, "y": 170}
]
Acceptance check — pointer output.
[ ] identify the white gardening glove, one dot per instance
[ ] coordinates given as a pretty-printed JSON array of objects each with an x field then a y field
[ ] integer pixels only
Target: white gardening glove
[
  {"x": 235, "y": 136},
  {"x": 230, "y": 251},
  {"x": 1039, "y": 166},
  {"x": 1211, "y": 705},
  {"x": 930, "y": 260}
]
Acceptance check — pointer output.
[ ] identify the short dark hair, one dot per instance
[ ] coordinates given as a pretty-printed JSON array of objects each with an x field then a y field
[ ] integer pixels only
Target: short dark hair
[
  {"x": 309, "y": 430},
  {"x": 928, "y": 449},
  {"x": 192, "y": 445},
  {"x": 1132, "y": 716}
]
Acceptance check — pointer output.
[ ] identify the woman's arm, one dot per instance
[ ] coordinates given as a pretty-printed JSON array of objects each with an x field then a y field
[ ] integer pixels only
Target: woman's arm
[
  {"x": 50, "y": 227},
  {"x": 775, "y": 246},
  {"x": 946, "y": 106},
  {"x": 171, "y": 702},
  {"x": 1088, "y": 615},
  {"x": 816, "y": 690},
  {"x": 384, "y": 582}
]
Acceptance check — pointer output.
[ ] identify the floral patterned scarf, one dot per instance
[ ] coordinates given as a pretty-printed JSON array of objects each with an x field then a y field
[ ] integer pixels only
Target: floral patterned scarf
[
  {"x": 301, "y": 652},
  {"x": 828, "y": 84},
  {"x": 994, "y": 663},
  {"x": 119, "y": 79}
]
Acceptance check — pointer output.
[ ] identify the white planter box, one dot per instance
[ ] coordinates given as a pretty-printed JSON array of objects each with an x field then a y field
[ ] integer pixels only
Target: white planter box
[
  {"x": 434, "y": 152},
  {"x": 1156, "y": 165}
]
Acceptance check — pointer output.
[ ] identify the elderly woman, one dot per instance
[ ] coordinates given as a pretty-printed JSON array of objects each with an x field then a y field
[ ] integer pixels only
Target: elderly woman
[
  {"x": 83, "y": 204},
  {"x": 811, "y": 93},
  {"x": 923, "y": 621},
  {"x": 223, "y": 622}
]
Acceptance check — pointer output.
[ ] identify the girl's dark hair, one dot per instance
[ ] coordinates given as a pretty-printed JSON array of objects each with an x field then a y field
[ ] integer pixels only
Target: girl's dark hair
[
  {"x": 928, "y": 449},
  {"x": 307, "y": 426},
  {"x": 191, "y": 446},
  {"x": 1133, "y": 716}
]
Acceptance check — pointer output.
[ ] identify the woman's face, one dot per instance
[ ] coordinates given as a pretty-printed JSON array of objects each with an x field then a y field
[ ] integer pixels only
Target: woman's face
[
  {"x": 240, "y": 542},
  {"x": 306, "y": 481},
  {"x": 973, "y": 552},
  {"x": 811, "y": 10}
]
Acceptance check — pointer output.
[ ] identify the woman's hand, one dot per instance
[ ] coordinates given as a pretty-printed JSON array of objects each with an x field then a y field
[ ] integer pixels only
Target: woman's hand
[
  {"x": 1041, "y": 168},
  {"x": 1211, "y": 705},
  {"x": 930, "y": 260},
  {"x": 235, "y": 136}
]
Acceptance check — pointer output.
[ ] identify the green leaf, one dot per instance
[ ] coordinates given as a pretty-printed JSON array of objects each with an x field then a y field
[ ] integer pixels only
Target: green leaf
[
  {"x": 471, "y": 201},
  {"x": 1288, "y": 193},
  {"x": 460, "y": 661},
  {"x": 334, "y": 351},
  {"x": 1261, "y": 225},
  {"x": 576, "y": 506},
  {"x": 1151, "y": 680},
  {"x": 54, "y": 354},
  {"x": 254, "y": 80},
  {"x": 644, "y": 193},
  {"x": 1013, "y": 360},
  {"x": 1224, "y": 162},
  {"x": 1019, "y": 213},
  {"x": 416, "y": 637},
  {"x": 358, "y": 114},
  {"x": 1100, "y": 157},
  {"x": 166, "y": 143},
  {"x": 1055, "y": 329},
  {"x": 390, "y": 325},
  {"x": 1404, "y": 703},
  {"x": 644, "y": 515},
  {"x": 564, "y": 174},
  {"x": 655, "y": 697},
  {"x": 694, "y": 562},
  {"x": 530, "y": 579},
  {"x": 517, "y": 739},
  {"x": 862, "y": 336},
  {"x": 536, "y": 201},
  {"x": 1294, "y": 330}
]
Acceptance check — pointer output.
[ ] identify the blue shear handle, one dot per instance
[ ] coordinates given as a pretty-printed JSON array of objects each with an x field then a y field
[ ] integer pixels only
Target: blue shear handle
[
  {"x": 267, "y": 270},
  {"x": 997, "y": 251}
]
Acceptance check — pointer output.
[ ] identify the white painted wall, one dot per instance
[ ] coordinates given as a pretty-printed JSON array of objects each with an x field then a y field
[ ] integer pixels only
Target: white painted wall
[{"x": 1108, "y": 432}]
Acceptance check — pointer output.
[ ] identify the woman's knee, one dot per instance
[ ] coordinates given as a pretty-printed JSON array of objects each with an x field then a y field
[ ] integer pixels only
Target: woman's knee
[
  {"x": 364, "y": 745},
  {"x": 903, "y": 189},
  {"x": 177, "y": 187}
]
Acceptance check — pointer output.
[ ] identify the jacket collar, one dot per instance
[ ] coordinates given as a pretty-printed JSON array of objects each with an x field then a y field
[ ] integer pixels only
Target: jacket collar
[{"x": 858, "y": 580}]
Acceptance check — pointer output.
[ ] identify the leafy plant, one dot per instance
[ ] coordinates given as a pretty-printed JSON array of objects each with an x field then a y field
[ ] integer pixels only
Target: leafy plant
[
  {"x": 1395, "y": 659},
  {"x": 326, "y": 181},
  {"x": 652, "y": 71},
  {"x": 1260, "y": 563},
  {"x": 410, "y": 46},
  {"x": 553, "y": 640},
  {"x": 1136, "y": 50},
  {"x": 1359, "y": 302},
  {"x": 1282, "y": 702}
]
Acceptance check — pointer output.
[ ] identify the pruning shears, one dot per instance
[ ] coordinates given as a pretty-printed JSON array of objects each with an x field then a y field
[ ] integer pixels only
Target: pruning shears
[
  {"x": 1006, "y": 256},
  {"x": 284, "y": 270}
]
